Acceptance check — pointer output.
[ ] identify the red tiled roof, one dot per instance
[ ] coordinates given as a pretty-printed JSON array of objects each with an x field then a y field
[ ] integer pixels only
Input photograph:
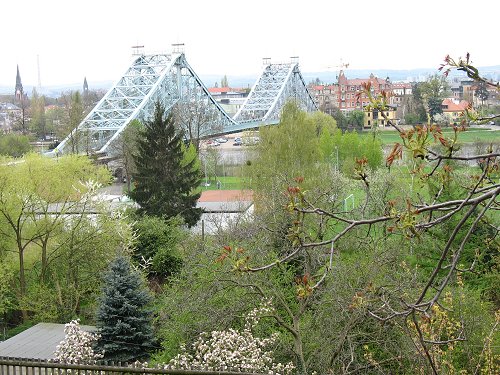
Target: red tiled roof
[{"x": 454, "y": 107}]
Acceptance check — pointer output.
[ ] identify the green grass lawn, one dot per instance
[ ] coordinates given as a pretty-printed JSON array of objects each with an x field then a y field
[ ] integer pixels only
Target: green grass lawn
[{"x": 470, "y": 136}]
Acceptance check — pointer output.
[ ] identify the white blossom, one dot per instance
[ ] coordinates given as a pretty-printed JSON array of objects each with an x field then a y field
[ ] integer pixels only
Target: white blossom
[
  {"x": 232, "y": 349},
  {"x": 77, "y": 345}
]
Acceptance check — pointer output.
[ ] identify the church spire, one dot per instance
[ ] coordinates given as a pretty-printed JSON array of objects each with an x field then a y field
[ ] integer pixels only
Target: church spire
[
  {"x": 19, "y": 93},
  {"x": 85, "y": 86}
]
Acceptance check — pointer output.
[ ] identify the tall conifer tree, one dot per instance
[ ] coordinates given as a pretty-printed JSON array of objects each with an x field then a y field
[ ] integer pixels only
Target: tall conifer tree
[
  {"x": 165, "y": 181},
  {"x": 123, "y": 318}
]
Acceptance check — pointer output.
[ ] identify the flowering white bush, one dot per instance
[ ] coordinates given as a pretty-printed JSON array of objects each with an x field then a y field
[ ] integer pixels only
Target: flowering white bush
[
  {"x": 77, "y": 345},
  {"x": 232, "y": 349}
]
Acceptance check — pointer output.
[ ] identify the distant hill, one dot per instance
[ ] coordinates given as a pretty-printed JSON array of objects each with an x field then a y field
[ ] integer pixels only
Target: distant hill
[{"x": 326, "y": 77}]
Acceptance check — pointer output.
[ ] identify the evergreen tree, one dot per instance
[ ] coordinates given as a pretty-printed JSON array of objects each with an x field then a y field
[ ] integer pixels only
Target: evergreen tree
[
  {"x": 165, "y": 180},
  {"x": 123, "y": 318}
]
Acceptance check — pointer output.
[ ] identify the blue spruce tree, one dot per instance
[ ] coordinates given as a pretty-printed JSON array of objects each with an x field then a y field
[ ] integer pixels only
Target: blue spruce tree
[{"x": 124, "y": 320}]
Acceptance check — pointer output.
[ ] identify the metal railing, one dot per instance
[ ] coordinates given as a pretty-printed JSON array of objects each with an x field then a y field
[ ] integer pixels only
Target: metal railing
[{"x": 24, "y": 366}]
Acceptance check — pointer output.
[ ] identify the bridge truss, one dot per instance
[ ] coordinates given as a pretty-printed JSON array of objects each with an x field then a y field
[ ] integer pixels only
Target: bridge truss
[{"x": 169, "y": 79}]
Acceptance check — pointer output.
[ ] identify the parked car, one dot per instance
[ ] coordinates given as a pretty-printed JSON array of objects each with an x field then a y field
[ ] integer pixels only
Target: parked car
[
  {"x": 221, "y": 140},
  {"x": 237, "y": 143},
  {"x": 212, "y": 143}
]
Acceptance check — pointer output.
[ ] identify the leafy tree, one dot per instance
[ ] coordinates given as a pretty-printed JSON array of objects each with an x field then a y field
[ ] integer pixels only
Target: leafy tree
[
  {"x": 433, "y": 91},
  {"x": 342, "y": 121},
  {"x": 21, "y": 118},
  {"x": 436, "y": 86},
  {"x": 416, "y": 109},
  {"x": 439, "y": 222},
  {"x": 54, "y": 118},
  {"x": 7, "y": 274},
  {"x": 322, "y": 121},
  {"x": 224, "y": 82},
  {"x": 412, "y": 118},
  {"x": 124, "y": 320},
  {"x": 73, "y": 116},
  {"x": 165, "y": 182},
  {"x": 434, "y": 107},
  {"x": 482, "y": 92},
  {"x": 14, "y": 145},
  {"x": 38, "y": 121},
  {"x": 357, "y": 118},
  {"x": 157, "y": 245},
  {"x": 126, "y": 147},
  {"x": 29, "y": 223},
  {"x": 342, "y": 149},
  {"x": 212, "y": 159},
  {"x": 276, "y": 166}
]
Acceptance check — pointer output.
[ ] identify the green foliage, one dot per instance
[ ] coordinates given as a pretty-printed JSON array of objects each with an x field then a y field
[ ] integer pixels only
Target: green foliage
[
  {"x": 417, "y": 106},
  {"x": 323, "y": 122},
  {"x": 435, "y": 86},
  {"x": 287, "y": 150},
  {"x": 158, "y": 244},
  {"x": 126, "y": 147},
  {"x": 412, "y": 118},
  {"x": 357, "y": 118},
  {"x": 341, "y": 149},
  {"x": 71, "y": 117},
  {"x": 165, "y": 181},
  {"x": 340, "y": 118},
  {"x": 15, "y": 145},
  {"x": 124, "y": 320},
  {"x": 56, "y": 258},
  {"x": 7, "y": 297},
  {"x": 38, "y": 123},
  {"x": 435, "y": 107}
]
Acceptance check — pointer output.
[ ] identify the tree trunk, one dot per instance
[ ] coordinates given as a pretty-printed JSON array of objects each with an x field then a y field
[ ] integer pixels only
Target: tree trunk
[
  {"x": 22, "y": 277},
  {"x": 297, "y": 346}
]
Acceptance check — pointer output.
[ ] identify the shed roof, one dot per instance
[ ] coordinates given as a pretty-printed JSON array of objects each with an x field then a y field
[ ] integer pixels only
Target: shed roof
[{"x": 37, "y": 342}]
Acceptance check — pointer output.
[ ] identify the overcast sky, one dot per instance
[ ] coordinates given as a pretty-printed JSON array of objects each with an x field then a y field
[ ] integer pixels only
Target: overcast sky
[{"x": 93, "y": 38}]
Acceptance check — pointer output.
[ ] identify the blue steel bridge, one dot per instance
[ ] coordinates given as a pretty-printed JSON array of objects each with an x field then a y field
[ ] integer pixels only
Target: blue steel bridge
[{"x": 169, "y": 79}]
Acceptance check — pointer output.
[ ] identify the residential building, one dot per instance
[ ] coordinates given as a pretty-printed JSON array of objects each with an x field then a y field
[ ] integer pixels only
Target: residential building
[
  {"x": 402, "y": 94},
  {"x": 347, "y": 94},
  {"x": 350, "y": 91},
  {"x": 374, "y": 117},
  {"x": 8, "y": 114},
  {"x": 453, "y": 109}
]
